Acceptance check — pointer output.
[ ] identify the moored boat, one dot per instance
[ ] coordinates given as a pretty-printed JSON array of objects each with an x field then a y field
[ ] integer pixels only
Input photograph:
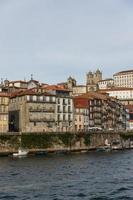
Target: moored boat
[{"x": 21, "y": 152}]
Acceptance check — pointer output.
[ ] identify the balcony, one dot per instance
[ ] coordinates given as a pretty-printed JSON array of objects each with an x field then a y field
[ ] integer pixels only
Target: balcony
[
  {"x": 41, "y": 101},
  {"x": 50, "y": 110},
  {"x": 41, "y": 119}
]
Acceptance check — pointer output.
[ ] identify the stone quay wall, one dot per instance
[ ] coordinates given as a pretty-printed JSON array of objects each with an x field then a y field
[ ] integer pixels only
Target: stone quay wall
[{"x": 54, "y": 142}]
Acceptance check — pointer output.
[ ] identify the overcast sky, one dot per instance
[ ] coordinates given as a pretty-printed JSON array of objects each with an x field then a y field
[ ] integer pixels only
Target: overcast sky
[{"x": 53, "y": 39}]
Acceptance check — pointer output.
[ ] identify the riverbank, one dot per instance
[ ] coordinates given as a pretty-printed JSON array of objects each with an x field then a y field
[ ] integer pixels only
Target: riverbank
[{"x": 63, "y": 142}]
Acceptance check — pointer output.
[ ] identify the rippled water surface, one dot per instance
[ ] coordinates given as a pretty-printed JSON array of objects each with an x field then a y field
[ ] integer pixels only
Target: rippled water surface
[{"x": 91, "y": 176}]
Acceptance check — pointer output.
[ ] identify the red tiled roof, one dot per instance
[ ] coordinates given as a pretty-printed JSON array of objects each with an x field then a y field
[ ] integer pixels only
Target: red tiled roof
[
  {"x": 56, "y": 87},
  {"x": 93, "y": 95},
  {"x": 80, "y": 102},
  {"x": 3, "y": 94},
  {"x": 28, "y": 92}
]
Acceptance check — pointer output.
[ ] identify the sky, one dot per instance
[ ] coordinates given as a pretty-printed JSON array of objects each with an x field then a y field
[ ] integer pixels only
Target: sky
[{"x": 53, "y": 39}]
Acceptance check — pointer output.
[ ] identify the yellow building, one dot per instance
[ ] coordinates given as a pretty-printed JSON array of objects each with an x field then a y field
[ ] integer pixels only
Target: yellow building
[{"x": 4, "y": 102}]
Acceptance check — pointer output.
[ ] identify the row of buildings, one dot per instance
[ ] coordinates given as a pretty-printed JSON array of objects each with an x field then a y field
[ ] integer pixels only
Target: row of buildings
[
  {"x": 30, "y": 106},
  {"x": 119, "y": 87},
  {"x": 54, "y": 109}
]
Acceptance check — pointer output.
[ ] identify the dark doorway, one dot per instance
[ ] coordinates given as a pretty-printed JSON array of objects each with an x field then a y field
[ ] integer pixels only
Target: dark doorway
[{"x": 14, "y": 121}]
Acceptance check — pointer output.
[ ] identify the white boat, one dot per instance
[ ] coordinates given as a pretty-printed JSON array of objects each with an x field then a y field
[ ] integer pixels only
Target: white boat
[{"x": 21, "y": 152}]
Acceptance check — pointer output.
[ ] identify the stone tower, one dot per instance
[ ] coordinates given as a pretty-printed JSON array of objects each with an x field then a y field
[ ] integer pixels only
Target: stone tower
[
  {"x": 71, "y": 82},
  {"x": 89, "y": 78},
  {"x": 97, "y": 76},
  {"x": 92, "y": 79}
]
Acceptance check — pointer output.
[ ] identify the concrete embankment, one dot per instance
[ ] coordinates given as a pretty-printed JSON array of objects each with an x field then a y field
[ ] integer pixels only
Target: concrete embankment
[{"x": 62, "y": 142}]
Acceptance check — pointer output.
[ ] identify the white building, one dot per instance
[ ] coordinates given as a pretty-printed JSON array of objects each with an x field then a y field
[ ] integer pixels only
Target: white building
[
  {"x": 123, "y": 79},
  {"x": 105, "y": 84},
  {"x": 123, "y": 94}
]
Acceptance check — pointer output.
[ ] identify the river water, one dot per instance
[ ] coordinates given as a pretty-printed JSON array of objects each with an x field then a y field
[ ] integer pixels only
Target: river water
[{"x": 89, "y": 176}]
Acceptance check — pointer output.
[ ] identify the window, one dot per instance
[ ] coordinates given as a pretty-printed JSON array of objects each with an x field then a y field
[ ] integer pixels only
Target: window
[
  {"x": 64, "y": 110},
  {"x": 58, "y": 117},
  {"x": 41, "y": 98},
  {"x": 5, "y": 118},
  {"x": 53, "y": 99},
  {"x": 58, "y": 109},
  {"x": 69, "y": 117},
  {"x": 69, "y": 108},
  {"x": 69, "y": 101},
  {"x": 30, "y": 98},
  {"x": 38, "y": 98},
  {"x": 63, "y": 101},
  {"x": 47, "y": 99},
  {"x": 64, "y": 117},
  {"x": 34, "y": 98}
]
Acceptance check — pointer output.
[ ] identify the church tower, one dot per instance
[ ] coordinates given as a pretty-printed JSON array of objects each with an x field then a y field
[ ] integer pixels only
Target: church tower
[
  {"x": 71, "y": 82},
  {"x": 97, "y": 76},
  {"x": 92, "y": 79}
]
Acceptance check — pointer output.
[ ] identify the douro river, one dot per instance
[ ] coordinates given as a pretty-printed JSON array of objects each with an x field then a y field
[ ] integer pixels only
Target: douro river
[{"x": 90, "y": 176}]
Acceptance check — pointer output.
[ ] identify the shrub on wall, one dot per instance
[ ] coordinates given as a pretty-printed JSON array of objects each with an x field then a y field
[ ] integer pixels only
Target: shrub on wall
[
  {"x": 66, "y": 138},
  {"x": 37, "y": 140},
  {"x": 10, "y": 140},
  {"x": 87, "y": 139},
  {"x": 126, "y": 136}
]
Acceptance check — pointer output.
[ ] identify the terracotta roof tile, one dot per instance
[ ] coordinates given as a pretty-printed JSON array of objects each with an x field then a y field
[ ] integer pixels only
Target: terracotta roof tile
[
  {"x": 93, "y": 95},
  {"x": 3, "y": 94},
  {"x": 81, "y": 102},
  {"x": 29, "y": 92},
  {"x": 56, "y": 87}
]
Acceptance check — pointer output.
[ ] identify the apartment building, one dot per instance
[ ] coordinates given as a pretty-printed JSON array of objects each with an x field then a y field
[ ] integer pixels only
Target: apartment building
[
  {"x": 64, "y": 108},
  {"x": 4, "y": 102},
  {"x": 105, "y": 84},
  {"x": 81, "y": 113},
  {"x": 125, "y": 95},
  {"x": 104, "y": 112},
  {"x": 32, "y": 111},
  {"x": 124, "y": 79}
]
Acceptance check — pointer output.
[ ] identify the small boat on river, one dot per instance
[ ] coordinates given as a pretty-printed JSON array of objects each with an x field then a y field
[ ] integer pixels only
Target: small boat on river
[{"x": 21, "y": 152}]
